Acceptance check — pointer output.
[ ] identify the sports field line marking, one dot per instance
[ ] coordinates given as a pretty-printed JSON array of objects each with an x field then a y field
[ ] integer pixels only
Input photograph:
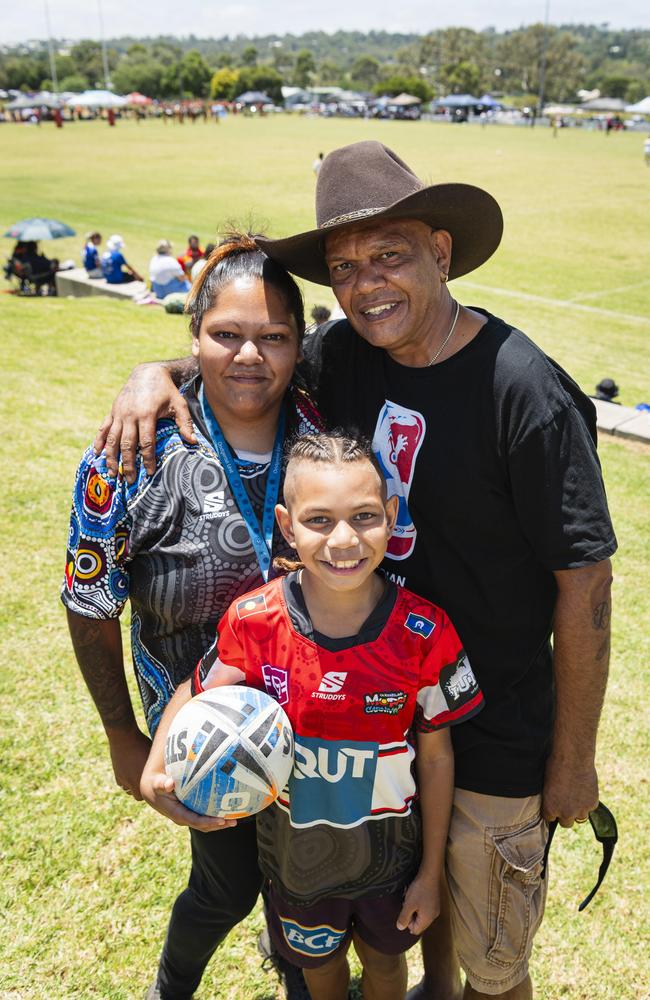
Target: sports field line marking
[
  {"x": 609, "y": 291},
  {"x": 556, "y": 303}
]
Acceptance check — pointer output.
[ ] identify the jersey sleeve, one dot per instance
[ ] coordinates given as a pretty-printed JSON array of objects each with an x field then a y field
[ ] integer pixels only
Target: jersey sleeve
[
  {"x": 559, "y": 495},
  {"x": 96, "y": 581},
  {"x": 226, "y": 650},
  {"x": 448, "y": 690}
]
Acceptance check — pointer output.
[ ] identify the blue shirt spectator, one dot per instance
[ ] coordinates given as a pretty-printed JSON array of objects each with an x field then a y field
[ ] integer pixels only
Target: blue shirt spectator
[
  {"x": 114, "y": 266},
  {"x": 90, "y": 255}
]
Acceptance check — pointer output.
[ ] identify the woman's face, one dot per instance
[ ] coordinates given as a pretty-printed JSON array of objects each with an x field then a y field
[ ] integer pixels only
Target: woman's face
[{"x": 247, "y": 348}]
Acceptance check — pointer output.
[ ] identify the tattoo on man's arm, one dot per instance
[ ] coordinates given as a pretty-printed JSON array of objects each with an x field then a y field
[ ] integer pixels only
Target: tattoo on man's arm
[
  {"x": 603, "y": 650},
  {"x": 600, "y": 616}
]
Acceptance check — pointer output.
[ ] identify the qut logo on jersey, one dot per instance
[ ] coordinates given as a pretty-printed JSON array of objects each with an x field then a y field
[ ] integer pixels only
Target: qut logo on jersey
[
  {"x": 458, "y": 682},
  {"x": 398, "y": 436},
  {"x": 332, "y": 781}
]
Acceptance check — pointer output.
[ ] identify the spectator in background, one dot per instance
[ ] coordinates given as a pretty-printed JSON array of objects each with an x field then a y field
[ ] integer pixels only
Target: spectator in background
[
  {"x": 193, "y": 252},
  {"x": 166, "y": 273},
  {"x": 90, "y": 255},
  {"x": 606, "y": 390},
  {"x": 317, "y": 164},
  {"x": 200, "y": 264},
  {"x": 33, "y": 267},
  {"x": 114, "y": 266}
]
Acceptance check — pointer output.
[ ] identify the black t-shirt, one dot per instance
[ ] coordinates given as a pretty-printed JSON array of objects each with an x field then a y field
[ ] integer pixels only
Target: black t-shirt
[{"x": 492, "y": 454}]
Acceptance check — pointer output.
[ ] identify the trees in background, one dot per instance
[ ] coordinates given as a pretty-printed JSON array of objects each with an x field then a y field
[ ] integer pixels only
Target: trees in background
[{"x": 450, "y": 60}]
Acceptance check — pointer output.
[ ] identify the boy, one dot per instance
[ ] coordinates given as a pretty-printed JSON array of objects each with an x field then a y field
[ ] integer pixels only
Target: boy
[{"x": 358, "y": 664}]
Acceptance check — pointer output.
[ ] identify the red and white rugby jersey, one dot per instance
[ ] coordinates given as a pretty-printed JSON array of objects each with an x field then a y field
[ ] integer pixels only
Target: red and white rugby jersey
[{"x": 351, "y": 710}]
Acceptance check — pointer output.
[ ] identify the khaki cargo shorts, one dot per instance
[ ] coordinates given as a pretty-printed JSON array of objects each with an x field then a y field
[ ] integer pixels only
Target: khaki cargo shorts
[{"x": 495, "y": 859}]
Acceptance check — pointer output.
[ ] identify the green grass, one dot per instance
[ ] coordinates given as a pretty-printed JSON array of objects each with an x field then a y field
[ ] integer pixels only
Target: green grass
[{"x": 89, "y": 875}]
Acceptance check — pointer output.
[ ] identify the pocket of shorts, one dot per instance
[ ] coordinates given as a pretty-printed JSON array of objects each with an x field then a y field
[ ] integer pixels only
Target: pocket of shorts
[{"x": 517, "y": 891}]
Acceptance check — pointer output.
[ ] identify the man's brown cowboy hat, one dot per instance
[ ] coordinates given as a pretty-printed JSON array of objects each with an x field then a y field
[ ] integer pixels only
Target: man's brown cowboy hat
[{"x": 366, "y": 180}]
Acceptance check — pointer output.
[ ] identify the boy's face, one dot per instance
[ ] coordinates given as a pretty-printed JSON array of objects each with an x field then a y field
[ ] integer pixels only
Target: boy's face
[{"x": 337, "y": 519}]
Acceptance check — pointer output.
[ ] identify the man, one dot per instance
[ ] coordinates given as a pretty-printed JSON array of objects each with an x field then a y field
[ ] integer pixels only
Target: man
[
  {"x": 502, "y": 520},
  {"x": 193, "y": 252}
]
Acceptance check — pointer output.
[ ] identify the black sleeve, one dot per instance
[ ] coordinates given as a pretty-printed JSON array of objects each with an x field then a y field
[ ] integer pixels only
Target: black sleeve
[
  {"x": 559, "y": 495},
  {"x": 313, "y": 369}
]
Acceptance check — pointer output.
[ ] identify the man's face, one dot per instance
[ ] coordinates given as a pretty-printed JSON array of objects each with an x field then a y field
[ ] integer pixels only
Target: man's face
[{"x": 386, "y": 277}]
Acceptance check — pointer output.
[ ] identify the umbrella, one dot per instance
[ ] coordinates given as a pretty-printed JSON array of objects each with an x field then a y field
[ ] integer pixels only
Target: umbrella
[
  {"x": 137, "y": 98},
  {"x": 39, "y": 229},
  {"x": 97, "y": 99}
]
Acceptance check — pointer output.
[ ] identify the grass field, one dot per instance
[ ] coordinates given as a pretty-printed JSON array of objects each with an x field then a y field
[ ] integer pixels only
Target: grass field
[{"x": 89, "y": 875}]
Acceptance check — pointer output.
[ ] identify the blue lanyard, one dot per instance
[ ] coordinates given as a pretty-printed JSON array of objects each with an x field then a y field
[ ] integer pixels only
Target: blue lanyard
[{"x": 262, "y": 539}]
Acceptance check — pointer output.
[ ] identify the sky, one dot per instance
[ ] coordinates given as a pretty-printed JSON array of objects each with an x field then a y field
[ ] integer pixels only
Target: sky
[{"x": 72, "y": 19}]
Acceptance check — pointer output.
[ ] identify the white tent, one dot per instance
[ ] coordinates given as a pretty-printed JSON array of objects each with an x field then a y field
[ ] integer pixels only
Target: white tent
[
  {"x": 404, "y": 100},
  {"x": 97, "y": 99},
  {"x": 603, "y": 104},
  {"x": 640, "y": 108},
  {"x": 44, "y": 99}
]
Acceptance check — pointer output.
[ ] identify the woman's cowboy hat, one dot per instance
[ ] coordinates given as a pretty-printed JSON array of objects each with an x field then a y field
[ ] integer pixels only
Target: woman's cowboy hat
[{"x": 369, "y": 181}]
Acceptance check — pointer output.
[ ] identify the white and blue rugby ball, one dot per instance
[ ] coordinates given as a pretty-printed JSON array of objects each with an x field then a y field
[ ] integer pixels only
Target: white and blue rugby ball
[{"x": 230, "y": 752}]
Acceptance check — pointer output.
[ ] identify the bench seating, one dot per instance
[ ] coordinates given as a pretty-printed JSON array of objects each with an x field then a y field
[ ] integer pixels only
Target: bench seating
[
  {"x": 622, "y": 421},
  {"x": 75, "y": 282}
]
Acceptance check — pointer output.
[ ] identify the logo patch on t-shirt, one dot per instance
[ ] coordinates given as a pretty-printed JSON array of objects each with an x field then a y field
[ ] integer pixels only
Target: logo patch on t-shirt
[
  {"x": 311, "y": 941},
  {"x": 419, "y": 624},
  {"x": 276, "y": 681},
  {"x": 457, "y": 682},
  {"x": 385, "y": 702},
  {"x": 330, "y": 686},
  {"x": 340, "y": 775},
  {"x": 251, "y": 606},
  {"x": 398, "y": 437},
  {"x": 214, "y": 505}
]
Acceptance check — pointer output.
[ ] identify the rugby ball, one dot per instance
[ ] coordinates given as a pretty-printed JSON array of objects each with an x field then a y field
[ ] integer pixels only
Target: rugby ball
[{"x": 229, "y": 751}]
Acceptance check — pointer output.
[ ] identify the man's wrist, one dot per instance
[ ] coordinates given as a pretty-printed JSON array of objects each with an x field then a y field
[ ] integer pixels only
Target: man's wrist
[{"x": 573, "y": 757}]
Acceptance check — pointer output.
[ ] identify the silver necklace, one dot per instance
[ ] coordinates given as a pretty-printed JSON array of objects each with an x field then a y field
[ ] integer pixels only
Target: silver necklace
[{"x": 447, "y": 338}]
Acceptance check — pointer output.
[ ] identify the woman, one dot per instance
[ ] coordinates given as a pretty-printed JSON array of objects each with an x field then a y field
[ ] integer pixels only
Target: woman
[
  {"x": 90, "y": 255},
  {"x": 165, "y": 273},
  {"x": 181, "y": 545}
]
